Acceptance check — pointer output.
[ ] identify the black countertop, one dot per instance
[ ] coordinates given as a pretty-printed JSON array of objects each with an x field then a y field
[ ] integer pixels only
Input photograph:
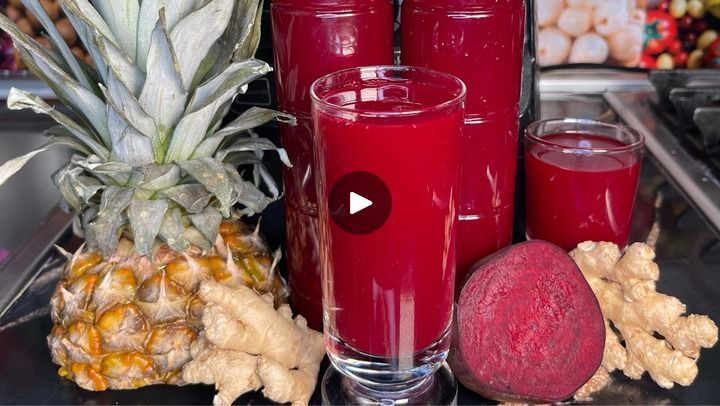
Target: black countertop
[{"x": 688, "y": 253}]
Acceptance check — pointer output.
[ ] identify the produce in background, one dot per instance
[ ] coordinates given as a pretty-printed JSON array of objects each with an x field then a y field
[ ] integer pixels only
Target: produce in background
[
  {"x": 28, "y": 23},
  {"x": 645, "y": 330},
  {"x": 527, "y": 326},
  {"x": 7, "y": 51},
  {"x": 590, "y": 31},
  {"x": 679, "y": 33},
  {"x": 248, "y": 344},
  {"x": 711, "y": 55},
  {"x": 154, "y": 181}
]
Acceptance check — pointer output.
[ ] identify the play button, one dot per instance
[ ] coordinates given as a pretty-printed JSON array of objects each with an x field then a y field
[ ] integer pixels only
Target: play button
[{"x": 360, "y": 203}]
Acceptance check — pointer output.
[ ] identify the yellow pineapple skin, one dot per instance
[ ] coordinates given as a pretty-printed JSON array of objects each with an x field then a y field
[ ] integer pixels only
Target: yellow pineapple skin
[{"x": 128, "y": 321}]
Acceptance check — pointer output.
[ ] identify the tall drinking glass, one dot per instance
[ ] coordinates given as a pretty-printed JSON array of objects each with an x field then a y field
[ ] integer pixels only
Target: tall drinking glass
[
  {"x": 582, "y": 177},
  {"x": 312, "y": 38},
  {"x": 480, "y": 42},
  {"x": 388, "y": 280}
]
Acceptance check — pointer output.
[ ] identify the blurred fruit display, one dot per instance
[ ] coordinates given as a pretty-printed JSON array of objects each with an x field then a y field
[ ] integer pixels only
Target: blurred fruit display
[
  {"x": 590, "y": 31},
  {"x": 26, "y": 21},
  {"x": 681, "y": 34}
]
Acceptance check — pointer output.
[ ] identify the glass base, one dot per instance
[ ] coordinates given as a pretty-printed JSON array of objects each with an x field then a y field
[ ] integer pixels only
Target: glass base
[
  {"x": 440, "y": 388},
  {"x": 387, "y": 374}
]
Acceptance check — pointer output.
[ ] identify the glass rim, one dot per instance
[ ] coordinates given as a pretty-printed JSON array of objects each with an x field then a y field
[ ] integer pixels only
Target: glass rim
[
  {"x": 457, "y": 98},
  {"x": 638, "y": 143}
]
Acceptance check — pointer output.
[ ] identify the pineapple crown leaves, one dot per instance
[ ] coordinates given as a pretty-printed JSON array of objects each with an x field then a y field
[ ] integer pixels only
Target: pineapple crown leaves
[{"x": 153, "y": 157}]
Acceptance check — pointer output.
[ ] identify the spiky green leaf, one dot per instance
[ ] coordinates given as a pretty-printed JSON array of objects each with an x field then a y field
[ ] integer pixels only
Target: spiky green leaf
[
  {"x": 82, "y": 219},
  {"x": 250, "y": 38},
  {"x": 163, "y": 96},
  {"x": 195, "y": 32},
  {"x": 254, "y": 144},
  {"x": 172, "y": 230},
  {"x": 146, "y": 218},
  {"x": 204, "y": 105},
  {"x": 65, "y": 87},
  {"x": 209, "y": 173},
  {"x": 195, "y": 237},
  {"x": 128, "y": 144},
  {"x": 120, "y": 98},
  {"x": 88, "y": 24},
  {"x": 105, "y": 229},
  {"x": 110, "y": 173},
  {"x": 11, "y": 167},
  {"x": 20, "y": 100},
  {"x": 207, "y": 222},
  {"x": 159, "y": 177},
  {"x": 191, "y": 197},
  {"x": 77, "y": 190},
  {"x": 251, "y": 118},
  {"x": 57, "y": 40},
  {"x": 121, "y": 17},
  {"x": 247, "y": 193},
  {"x": 123, "y": 69},
  {"x": 175, "y": 10},
  {"x": 237, "y": 39}
]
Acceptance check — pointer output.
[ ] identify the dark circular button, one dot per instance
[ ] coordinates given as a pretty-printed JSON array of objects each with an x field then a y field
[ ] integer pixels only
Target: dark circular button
[{"x": 360, "y": 203}]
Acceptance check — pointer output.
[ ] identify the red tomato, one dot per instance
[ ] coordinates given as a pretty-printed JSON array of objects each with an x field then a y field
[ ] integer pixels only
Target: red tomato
[
  {"x": 675, "y": 47},
  {"x": 680, "y": 59},
  {"x": 647, "y": 62},
  {"x": 711, "y": 56},
  {"x": 660, "y": 31}
]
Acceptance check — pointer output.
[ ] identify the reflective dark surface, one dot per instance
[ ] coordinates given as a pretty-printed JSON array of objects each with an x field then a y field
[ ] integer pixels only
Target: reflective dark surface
[{"x": 688, "y": 255}]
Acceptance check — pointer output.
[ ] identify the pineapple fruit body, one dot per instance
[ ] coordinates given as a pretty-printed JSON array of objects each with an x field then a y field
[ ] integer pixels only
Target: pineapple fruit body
[
  {"x": 127, "y": 321},
  {"x": 159, "y": 180}
]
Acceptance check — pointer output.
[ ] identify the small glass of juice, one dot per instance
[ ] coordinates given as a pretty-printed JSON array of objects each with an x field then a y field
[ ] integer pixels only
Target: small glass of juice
[
  {"x": 388, "y": 286},
  {"x": 582, "y": 176}
]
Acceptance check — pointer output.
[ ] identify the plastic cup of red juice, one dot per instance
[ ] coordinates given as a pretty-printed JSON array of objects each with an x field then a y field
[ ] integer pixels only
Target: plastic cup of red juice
[
  {"x": 582, "y": 176},
  {"x": 388, "y": 288}
]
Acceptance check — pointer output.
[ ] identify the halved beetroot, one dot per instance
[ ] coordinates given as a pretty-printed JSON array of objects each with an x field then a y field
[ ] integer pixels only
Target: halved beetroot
[{"x": 527, "y": 326}]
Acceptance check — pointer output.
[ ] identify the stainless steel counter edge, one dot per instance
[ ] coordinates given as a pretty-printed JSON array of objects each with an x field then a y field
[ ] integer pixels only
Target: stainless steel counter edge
[
  {"x": 593, "y": 81},
  {"x": 689, "y": 174},
  {"x": 18, "y": 271},
  {"x": 557, "y": 81}
]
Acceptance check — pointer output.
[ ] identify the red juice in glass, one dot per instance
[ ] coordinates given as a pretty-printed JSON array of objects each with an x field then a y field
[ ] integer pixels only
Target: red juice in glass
[
  {"x": 301, "y": 237},
  {"x": 312, "y": 38},
  {"x": 581, "y": 182},
  {"x": 388, "y": 294},
  {"x": 480, "y": 42},
  {"x": 487, "y": 183}
]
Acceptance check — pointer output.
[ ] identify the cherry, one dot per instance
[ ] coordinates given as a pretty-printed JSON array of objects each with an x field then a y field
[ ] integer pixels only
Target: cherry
[
  {"x": 675, "y": 47},
  {"x": 680, "y": 59},
  {"x": 685, "y": 22}
]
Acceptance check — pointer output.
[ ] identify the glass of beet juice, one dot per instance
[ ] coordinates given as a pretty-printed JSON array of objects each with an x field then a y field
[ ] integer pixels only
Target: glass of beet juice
[
  {"x": 388, "y": 290},
  {"x": 582, "y": 176}
]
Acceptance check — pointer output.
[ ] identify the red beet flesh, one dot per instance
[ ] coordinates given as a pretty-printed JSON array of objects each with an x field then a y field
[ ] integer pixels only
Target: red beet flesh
[{"x": 527, "y": 326}]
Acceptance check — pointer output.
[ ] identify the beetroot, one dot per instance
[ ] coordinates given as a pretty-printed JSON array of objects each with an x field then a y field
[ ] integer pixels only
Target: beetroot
[{"x": 527, "y": 326}]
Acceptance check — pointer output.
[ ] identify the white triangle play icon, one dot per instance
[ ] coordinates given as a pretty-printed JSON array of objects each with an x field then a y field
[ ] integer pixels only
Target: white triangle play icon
[{"x": 358, "y": 203}]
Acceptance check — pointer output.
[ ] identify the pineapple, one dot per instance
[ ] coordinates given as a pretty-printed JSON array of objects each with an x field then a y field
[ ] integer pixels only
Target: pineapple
[{"x": 154, "y": 182}]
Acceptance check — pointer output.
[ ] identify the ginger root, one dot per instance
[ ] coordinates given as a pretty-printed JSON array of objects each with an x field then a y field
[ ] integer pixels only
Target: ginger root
[
  {"x": 625, "y": 288},
  {"x": 248, "y": 344}
]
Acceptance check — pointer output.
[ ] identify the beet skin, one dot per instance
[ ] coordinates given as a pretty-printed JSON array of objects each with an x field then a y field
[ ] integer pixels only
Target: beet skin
[{"x": 527, "y": 326}]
